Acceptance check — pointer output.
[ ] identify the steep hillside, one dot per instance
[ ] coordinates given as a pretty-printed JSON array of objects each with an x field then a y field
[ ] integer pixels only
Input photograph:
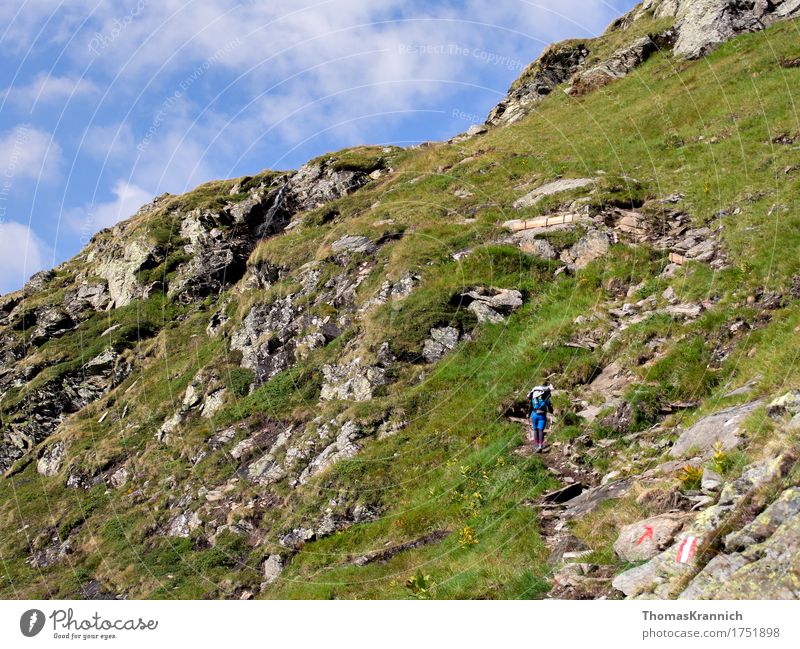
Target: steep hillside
[{"x": 312, "y": 383}]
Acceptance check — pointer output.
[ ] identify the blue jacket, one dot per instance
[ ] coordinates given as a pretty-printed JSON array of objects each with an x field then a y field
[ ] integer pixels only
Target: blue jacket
[{"x": 541, "y": 406}]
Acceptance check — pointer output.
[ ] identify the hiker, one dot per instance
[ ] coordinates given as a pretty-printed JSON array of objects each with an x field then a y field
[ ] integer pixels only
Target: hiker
[{"x": 539, "y": 398}]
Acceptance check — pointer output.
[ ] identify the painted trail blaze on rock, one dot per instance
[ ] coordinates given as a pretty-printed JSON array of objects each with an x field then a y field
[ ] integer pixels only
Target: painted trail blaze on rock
[
  {"x": 647, "y": 535},
  {"x": 687, "y": 549}
]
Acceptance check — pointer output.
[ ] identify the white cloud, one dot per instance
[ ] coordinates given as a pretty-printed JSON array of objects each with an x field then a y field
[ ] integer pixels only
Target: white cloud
[
  {"x": 45, "y": 88},
  {"x": 90, "y": 218},
  {"x": 27, "y": 152},
  {"x": 22, "y": 254}
]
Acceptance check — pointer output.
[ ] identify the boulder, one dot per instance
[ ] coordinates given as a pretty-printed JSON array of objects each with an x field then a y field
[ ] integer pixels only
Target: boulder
[
  {"x": 442, "y": 340},
  {"x": 182, "y": 525},
  {"x": 272, "y": 569},
  {"x": 351, "y": 381},
  {"x": 51, "y": 460},
  {"x": 593, "y": 245},
  {"x": 590, "y": 499},
  {"x": 119, "y": 478},
  {"x": 645, "y": 539},
  {"x": 354, "y": 245},
  {"x": 492, "y": 304},
  {"x": 711, "y": 480},
  {"x": 530, "y": 245},
  {"x": 551, "y": 189},
  {"x": 721, "y": 428},
  {"x": 484, "y": 313}
]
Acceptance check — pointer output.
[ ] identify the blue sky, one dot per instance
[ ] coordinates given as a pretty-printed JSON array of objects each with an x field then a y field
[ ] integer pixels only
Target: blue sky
[{"x": 107, "y": 103}]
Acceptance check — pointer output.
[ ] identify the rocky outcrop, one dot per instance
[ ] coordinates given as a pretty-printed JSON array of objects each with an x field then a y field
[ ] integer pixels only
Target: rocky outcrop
[
  {"x": 721, "y": 429},
  {"x": 344, "y": 446},
  {"x": 40, "y": 411},
  {"x": 595, "y": 244},
  {"x": 620, "y": 64},
  {"x": 319, "y": 183},
  {"x": 675, "y": 570},
  {"x": 761, "y": 561},
  {"x": 442, "y": 340},
  {"x": 555, "y": 66},
  {"x": 491, "y": 305},
  {"x": 700, "y": 26},
  {"x": 704, "y": 24},
  {"x": 50, "y": 460},
  {"x": 118, "y": 261},
  {"x": 182, "y": 525},
  {"x": 351, "y": 381}
]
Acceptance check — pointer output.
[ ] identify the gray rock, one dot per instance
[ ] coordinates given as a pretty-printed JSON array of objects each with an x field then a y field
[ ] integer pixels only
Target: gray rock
[
  {"x": 351, "y": 381},
  {"x": 618, "y": 65},
  {"x": 787, "y": 404},
  {"x": 763, "y": 559},
  {"x": 715, "y": 573},
  {"x": 492, "y": 304},
  {"x": 51, "y": 460},
  {"x": 354, "y": 244},
  {"x": 536, "y": 247},
  {"x": 295, "y": 539},
  {"x": 663, "y": 575},
  {"x": 271, "y": 569},
  {"x": 442, "y": 340},
  {"x": 551, "y": 189},
  {"x": 721, "y": 428},
  {"x": 590, "y": 499},
  {"x": 645, "y": 539},
  {"x": 484, "y": 313},
  {"x": 593, "y": 245},
  {"x": 704, "y": 24},
  {"x": 555, "y": 65},
  {"x": 319, "y": 183},
  {"x": 785, "y": 507},
  {"x": 687, "y": 310},
  {"x": 119, "y": 478},
  {"x": 266, "y": 469},
  {"x": 169, "y": 426},
  {"x": 182, "y": 525},
  {"x": 52, "y": 554},
  {"x": 711, "y": 480},
  {"x": 119, "y": 265},
  {"x": 637, "y": 580},
  {"x": 213, "y": 402},
  {"x": 343, "y": 447}
]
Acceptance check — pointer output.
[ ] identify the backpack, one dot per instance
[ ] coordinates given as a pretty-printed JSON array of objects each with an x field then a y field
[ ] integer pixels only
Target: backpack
[{"x": 540, "y": 398}]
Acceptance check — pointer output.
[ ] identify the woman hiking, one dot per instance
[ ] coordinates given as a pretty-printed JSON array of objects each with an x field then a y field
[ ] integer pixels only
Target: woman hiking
[{"x": 541, "y": 406}]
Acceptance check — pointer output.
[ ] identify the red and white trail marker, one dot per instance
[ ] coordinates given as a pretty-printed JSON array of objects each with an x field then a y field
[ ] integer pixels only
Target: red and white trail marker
[{"x": 687, "y": 549}]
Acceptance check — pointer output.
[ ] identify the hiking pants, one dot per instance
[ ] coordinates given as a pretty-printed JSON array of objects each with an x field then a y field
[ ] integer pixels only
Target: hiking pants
[{"x": 538, "y": 423}]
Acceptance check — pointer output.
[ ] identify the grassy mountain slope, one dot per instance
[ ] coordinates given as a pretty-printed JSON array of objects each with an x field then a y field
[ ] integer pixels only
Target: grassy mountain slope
[{"x": 717, "y": 131}]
